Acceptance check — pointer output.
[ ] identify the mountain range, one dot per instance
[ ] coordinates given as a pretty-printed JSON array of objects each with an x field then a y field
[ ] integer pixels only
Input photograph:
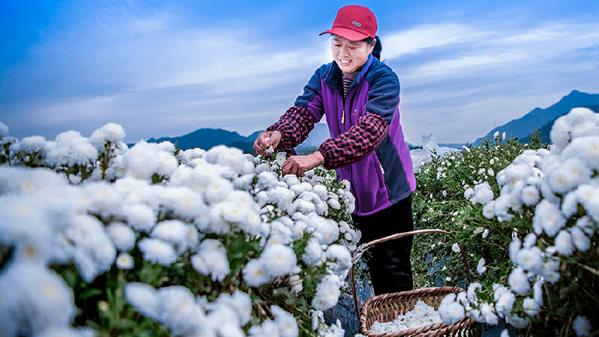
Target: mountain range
[
  {"x": 543, "y": 119},
  {"x": 521, "y": 128}
]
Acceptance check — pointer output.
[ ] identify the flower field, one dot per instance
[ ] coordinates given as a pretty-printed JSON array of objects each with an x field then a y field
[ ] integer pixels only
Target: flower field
[
  {"x": 524, "y": 220},
  {"x": 98, "y": 238}
]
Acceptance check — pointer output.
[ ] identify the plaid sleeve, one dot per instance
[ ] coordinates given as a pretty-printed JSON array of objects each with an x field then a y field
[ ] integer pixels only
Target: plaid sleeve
[
  {"x": 355, "y": 143},
  {"x": 294, "y": 126}
]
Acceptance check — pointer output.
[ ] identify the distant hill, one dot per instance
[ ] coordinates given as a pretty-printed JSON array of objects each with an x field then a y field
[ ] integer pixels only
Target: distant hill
[
  {"x": 208, "y": 138},
  {"x": 546, "y": 129},
  {"x": 539, "y": 118}
]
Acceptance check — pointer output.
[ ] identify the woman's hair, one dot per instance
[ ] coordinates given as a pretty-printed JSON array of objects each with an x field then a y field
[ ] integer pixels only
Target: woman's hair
[{"x": 378, "y": 47}]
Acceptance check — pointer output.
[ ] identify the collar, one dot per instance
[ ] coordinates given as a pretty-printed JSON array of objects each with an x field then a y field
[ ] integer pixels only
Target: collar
[{"x": 335, "y": 75}]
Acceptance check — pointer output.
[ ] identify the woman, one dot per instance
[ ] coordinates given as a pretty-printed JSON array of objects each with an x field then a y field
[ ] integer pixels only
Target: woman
[{"x": 359, "y": 95}]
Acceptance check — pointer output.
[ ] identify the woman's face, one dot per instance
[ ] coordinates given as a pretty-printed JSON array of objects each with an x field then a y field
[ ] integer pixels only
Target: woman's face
[{"x": 350, "y": 56}]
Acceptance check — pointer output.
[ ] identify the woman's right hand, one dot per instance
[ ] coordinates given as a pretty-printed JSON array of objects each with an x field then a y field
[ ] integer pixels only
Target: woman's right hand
[{"x": 265, "y": 140}]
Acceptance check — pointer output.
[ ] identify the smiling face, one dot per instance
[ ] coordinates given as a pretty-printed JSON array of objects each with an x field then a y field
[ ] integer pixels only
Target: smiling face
[{"x": 350, "y": 56}]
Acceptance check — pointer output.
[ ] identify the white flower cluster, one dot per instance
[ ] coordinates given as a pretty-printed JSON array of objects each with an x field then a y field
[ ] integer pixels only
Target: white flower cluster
[
  {"x": 561, "y": 185},
  {"x": 421, "y": 315},
  {"x": 187, "y": 315},
  {"x": 200, "y": 199}
]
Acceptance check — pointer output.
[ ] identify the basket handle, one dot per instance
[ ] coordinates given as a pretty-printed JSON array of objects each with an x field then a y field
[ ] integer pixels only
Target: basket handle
[{"x": 363, "y": 248}]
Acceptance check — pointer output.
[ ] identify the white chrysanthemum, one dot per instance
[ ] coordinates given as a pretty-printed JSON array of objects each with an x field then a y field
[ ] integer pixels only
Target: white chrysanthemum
[
  {"x": 303, "y": 206},
  {"x": 29, "y": 145},
  {"x": 124, "y": 261},
  {"x": 450, "y": 310},
  {"x": 32, "y": 299},
  {"x": 588, "y": 196},
  {"x": 122, "y": 236},
  {"x": 483, "y": 194},
  {"x": 480, "y": 266},
  {"x": 563, "y": 243},
  {"x": 178, "y": 310},
  {"x": 211, "y": 259},
  {"x": 489, "y": 210},
  {"x": 301, "y": 188},
  {"x": 21, "y": 180},
  {"x": 581, "y": 241},
  {"x": 548, "y": 218},
  {"x": 568, "y": 175},
  {"x": 326, "y": 230},
  {"x": 530, "y": 195},
  {"x": 327, "y": 293},
  {"x": 471, "y": 293},
  {"x": 110, "y": 132},
  {"x": 166, "y": 163},
  {"x": 145, "y": 159},
  {"x": 456, "y": 248},
  {"x": 342, "y": 257},
  {"x": 184, "y": 203},
  {"x": 279, "y": 260},
  {"x": 570, "y": 204},
  {"x": 217, "y": 190},
  {"x": 313, "y": 253},
  {"x": 518, "y": 281},
  {"x": 172, "y": 231},
  {"x": 144, "y": 298},
  {"x": 285, "y": 321},
  {"x": 561, "y": 133},
  {"x": 240, "y": 302},
  {"x": 514, "y": 248},
  {"x": 581, "y": 326},
  {"x": 586, "y": 149},
  {"x": 225, "y": 156},
  {"x": 17, "y": 210},
  {"x": 504, "y": 300},
  {"x": 139, "y": 216},
  {"x": 70, "y": 149},
  {"x": 157, "y": 251},
  {"x": 537, "y": 291},
  {"x": 267, "y": 180},
  {"x": 531, "y": 259},
  {"x": 94, "y": 251},
  {"x": 469, "y": 193},
  {"x": 530, "y": 306},
  {"x": 245, "y": 182},
  {"x": 488, "y": 314},
  {"x": 255, "y": 274},
  {"x": 280, "y": 233},
  {"x": 266, "y": 328}
]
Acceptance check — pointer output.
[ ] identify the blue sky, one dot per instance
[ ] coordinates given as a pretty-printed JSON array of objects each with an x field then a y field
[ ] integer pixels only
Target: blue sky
[{"x": 165, "y": 68}]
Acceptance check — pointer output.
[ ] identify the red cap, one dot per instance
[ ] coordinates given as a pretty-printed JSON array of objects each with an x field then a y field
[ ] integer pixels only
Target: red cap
[{"x": 354, "y": 23}]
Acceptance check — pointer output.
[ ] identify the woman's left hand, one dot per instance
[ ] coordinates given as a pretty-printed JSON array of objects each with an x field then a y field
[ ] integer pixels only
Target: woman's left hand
[{"x": 298, "y": 165}]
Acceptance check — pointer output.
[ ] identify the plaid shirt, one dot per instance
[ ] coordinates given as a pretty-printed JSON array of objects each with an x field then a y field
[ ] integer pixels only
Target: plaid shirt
[{"x": 348, "y": 147}]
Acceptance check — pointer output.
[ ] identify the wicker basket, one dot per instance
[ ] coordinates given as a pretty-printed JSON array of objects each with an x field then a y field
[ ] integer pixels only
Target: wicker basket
[{"x": 386, "y": 307}]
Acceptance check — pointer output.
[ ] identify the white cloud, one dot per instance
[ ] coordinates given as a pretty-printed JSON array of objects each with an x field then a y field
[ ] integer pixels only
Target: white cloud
[{"x": 414, "y": 40}]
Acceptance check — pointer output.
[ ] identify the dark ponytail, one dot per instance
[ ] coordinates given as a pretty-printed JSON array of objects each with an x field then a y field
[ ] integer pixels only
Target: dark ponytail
[{"x": 378, "y": 47}]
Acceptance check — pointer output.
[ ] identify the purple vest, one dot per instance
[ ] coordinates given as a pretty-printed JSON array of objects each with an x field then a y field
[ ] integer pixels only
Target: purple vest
[{"x": 384, "y": 176}]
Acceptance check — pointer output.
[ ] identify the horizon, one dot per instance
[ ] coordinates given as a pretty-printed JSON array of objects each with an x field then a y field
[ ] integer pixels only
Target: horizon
[{"x": 464, "y": 68}]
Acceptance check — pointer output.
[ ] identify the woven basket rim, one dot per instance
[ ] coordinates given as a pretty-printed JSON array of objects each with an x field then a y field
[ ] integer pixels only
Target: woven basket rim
[{"x": 440, "y": 327}]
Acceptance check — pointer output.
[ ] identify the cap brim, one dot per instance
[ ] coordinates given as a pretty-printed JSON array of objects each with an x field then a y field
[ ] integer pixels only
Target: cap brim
[{"x": 349, "y": 34}]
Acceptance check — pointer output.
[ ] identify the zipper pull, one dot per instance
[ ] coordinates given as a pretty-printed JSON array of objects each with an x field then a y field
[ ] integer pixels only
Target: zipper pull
[{"x": 343, "y": 117}]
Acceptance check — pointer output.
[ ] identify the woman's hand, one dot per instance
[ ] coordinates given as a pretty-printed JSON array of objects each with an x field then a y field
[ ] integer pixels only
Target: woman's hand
[
  {"x": 298, "y": 165},
  {"x": 265, "y": 140}
]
